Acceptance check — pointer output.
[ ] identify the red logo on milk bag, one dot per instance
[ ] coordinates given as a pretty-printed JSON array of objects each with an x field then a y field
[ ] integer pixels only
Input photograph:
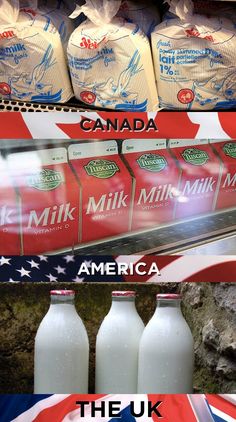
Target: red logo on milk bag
[
  {"x": 185, "y": 96},
  {"x": 88, "y": 97},
  {"x": 5, "y": 89}
]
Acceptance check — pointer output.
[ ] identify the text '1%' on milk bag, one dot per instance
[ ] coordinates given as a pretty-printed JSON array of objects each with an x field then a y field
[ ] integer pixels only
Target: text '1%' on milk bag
[
  {"x": 110, "y": 60},
  {"x": 194, "y": 60},
  {"x": 32, "y": 61},
  {"x": 166, "y": 353},
  {"x": 117, "y": 346},
  {"x": 61, "y": 348}
]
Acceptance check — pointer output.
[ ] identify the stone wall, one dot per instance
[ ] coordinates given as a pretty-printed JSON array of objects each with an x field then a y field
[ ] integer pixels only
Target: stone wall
[{"x": 209, "y": 309}]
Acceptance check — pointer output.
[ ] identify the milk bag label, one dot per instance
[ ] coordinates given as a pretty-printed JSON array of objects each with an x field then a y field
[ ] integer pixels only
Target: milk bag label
[
  {"x": 110, "y": 61},
  {"x": 195, "y": 156},
  {"x": 194, "y": 64},
  {"x": 46, "y": 180},
  {"x": 152, "y": 162},
  {"x": 230, "y": 149},
  {"x": 101, "y": 169}
]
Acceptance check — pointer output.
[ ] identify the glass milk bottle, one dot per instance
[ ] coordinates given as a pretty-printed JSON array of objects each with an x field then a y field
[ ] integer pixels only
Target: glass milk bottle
[
  {"x": 117, "y": 346},
  {"x": 61, "y": 348},
  {"x": 166, "y": 352}
]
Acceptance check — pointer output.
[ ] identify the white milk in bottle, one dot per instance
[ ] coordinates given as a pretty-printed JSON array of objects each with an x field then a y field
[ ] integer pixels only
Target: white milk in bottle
[
  {"x": 117, "y": 346},
  {"x": 61, "y": 348},
  {"x": 166, "y": 350}
]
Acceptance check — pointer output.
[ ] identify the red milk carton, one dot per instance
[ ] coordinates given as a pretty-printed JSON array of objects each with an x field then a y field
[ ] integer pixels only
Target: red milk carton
[
  {"x": 200, "y": 172},
  {"x": 105, "y": 189},
  {"x": 48, "y": 198},
  {"x": 226, "y": 150},
  {"x": 155, "y": 181},
  {"x": 9, "y": 215}
]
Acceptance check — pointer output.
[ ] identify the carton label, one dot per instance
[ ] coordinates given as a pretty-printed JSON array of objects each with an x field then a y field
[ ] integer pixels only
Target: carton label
[
  {"x": 230, "y": 149},
  {"x": 45, "y": 180},
  {"x": 5, "y": 215},
  {"x": 152, "y": 162},
  {"x": 101, "y": 169},
  {"x": 51, "y": 216},
  {"x": 195, "y": 156}
]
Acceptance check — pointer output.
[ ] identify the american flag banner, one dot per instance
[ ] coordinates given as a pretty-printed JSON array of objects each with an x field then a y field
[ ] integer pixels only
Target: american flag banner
[
  {"x": 103, "y": 125},
  {"x": 127, "y": 268},
  {"x": 72, "y": 408}
]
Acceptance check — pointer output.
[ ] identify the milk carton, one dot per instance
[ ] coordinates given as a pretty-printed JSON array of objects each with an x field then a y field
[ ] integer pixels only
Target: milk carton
[
  {"x": 32, "y": 62},
  {"x": 105, "y": 190},
  {"x": 194, "y": 60},
  {"x": 143, "y": 13},
  {"x": 110, "y": 60},
  {"x": 226, "y": 150},
  {"x": 200, "y": 172},
  {"x": 155, "y": 181},
  {"x": 48, "y": 199},
  {"x": 9, "y": 215}
]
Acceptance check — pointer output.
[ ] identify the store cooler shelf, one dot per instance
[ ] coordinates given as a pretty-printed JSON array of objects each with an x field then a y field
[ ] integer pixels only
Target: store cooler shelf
[{"x": 173, "y": 239}]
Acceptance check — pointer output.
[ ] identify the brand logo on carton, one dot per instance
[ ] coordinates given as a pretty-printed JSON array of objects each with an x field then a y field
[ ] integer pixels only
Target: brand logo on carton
[
  {"x": 5, "y": 215},
  {"x": 230, "y": 149},
  {"x": 152, "y": 162},
  {"x": 45, "y": 180},
  {"x": 195, "y": 156},
  {"x": 102, "y": 169}
]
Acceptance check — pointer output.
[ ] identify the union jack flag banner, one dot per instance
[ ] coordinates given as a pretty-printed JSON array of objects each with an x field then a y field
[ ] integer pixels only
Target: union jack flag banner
[
  {"x": 82, "y": 269},
  {"x": 172, "y": 408}
]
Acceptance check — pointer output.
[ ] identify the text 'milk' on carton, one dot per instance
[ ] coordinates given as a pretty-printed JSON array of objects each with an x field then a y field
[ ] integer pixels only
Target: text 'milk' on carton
[
  {"x": 105, "y": 189},
  {"x": 155, "y": 181},
  {"x": 200, "y": 172},
  {"x": 226, "y": 150},
  {"x": 48, "y": 199},
  {"x": 9, "y": 214}
]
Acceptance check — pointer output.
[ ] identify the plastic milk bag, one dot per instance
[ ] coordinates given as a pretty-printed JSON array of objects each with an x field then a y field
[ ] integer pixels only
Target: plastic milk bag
[
  {"x": 32, "y": 61},
  {"x": 194, "y": 60},
  {"x": 110, "y": 60},
  {"x": 143, "y": 13},
  {"x": 58, "y": 15}
]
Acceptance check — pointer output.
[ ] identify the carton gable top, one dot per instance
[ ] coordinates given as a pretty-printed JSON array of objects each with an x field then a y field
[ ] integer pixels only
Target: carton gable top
[
  {"x": 92, "y": 149},
  {"x": 130, "y": 146},
  {"x": 34, "y": 160}
]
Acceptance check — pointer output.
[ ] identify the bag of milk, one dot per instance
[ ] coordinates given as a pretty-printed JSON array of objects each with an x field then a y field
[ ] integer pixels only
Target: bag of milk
[
  {"x": 57, "y": 14},
  {"x": 32, "y": 63},
  {"x": 194, "y": 59},
  {"x": 110, "y": 60},
  {"x": 143, "y": 13}
]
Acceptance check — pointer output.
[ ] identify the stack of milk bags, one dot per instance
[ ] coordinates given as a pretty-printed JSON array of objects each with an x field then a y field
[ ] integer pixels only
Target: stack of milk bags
[
  {"x": 194, "y": 59},
  {"x": 110, "y": 60},
  {"x": 32, "y": 61}
]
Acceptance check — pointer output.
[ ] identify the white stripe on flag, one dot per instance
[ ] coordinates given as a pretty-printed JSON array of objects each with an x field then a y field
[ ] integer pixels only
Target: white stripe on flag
[
  {"x": 208, "y": 123},
  {"x": 229, "y": 397},
  {"x": 187, "y": 266},
  {"x": 30, "y": 414},
  {"x": 75, "y": 415},
  {"x": 222, "y": 415}
]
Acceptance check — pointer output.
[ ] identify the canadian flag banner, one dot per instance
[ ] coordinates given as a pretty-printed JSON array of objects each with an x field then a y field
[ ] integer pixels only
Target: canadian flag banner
[{"x": 103, "y": 125}]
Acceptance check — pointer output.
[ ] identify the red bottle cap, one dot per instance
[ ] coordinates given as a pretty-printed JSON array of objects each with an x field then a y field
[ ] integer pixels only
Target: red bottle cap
[
  {"x": 62, "y": 292},
  {"x": 127, "y": 293},
  {"x": 169, "y": 296}
]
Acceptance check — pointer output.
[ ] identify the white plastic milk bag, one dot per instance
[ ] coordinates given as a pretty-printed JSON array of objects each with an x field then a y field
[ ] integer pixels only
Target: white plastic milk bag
[
  {"x": 57, "y": 14},
  {"x": 32, "y": 62},
  {"x": 194, "y": 60},
  {"x": 143, "y": 13},
  {"x": 110, "y": 60}
]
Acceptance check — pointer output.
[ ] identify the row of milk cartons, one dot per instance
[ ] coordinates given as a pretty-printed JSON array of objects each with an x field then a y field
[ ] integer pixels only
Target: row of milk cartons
[
  {"x": 130, "y": 358},
  {"x": 190, "y": 63},
  {"x": 57, "y": 198}
]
